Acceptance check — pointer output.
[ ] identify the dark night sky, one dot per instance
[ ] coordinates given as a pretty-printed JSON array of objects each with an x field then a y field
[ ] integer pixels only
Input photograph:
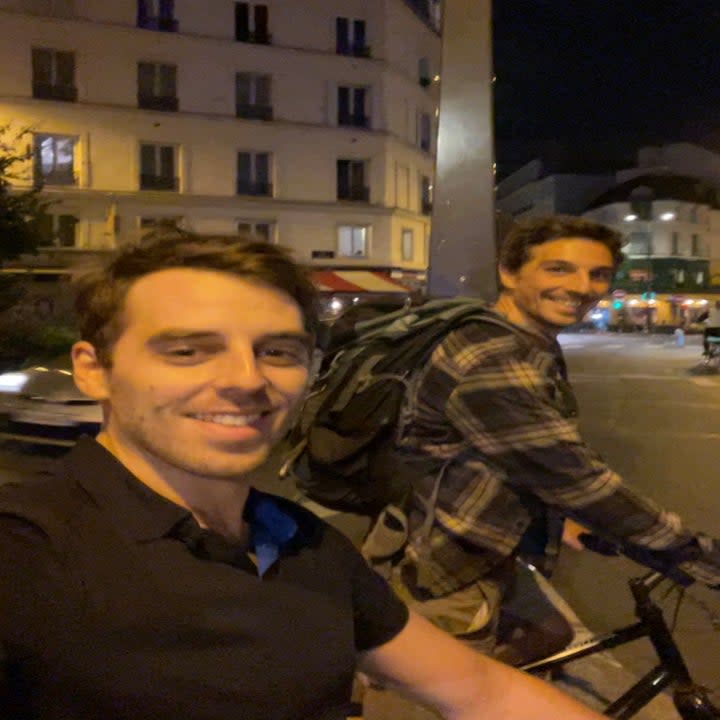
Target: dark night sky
[{"x": 588, "y": 81}]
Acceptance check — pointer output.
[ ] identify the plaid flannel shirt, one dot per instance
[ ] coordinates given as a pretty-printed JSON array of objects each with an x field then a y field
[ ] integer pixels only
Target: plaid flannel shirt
[{"x": 496, "y": 407}]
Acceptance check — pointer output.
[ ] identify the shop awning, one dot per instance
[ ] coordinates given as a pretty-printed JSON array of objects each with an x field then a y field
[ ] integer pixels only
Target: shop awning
[{"x": 358, "y": 281}]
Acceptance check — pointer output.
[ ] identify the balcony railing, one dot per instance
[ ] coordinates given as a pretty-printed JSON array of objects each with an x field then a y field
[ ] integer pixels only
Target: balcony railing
[
  {"x": 54, "y": 177},
  {"x": 356, "y": 193},
  {"x": 246, "y": 187},
  {"x": 343, "y": 47},
  {"x": 353, "y": 119},
  {"x": 45, "y": 91},
  {"x": 158, "y": 182},
  {"x": 254, "y": 112},
  {"x": 162, "y": 24},
  {"x": 167, "y": 103},
  {"x": 259, "y": 38}
]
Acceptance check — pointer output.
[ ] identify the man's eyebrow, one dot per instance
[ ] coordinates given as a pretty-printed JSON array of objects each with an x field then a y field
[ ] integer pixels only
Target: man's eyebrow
[{"x": 171, "y": 335}]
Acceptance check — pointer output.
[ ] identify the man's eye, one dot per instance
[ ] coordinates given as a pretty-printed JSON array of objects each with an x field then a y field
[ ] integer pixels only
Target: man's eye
[{"x": 285, "y": 355}]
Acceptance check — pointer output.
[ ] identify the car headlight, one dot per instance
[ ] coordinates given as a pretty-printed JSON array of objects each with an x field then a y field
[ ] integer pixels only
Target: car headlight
[{"x": 12, "y": 382}]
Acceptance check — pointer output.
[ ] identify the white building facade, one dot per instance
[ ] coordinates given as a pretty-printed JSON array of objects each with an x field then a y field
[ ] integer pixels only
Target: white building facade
[{"x": 309, "y": 122}]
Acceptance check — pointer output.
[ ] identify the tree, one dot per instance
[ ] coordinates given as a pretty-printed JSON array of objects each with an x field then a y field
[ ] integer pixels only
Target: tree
[{"x": 21, "y": 211}]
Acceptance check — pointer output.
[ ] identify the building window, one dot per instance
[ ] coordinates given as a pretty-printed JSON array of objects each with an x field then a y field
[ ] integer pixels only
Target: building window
[
  {"x": 157, "y": 167},
  {"x": 351, "y": 181},
  {"x": 253, "y": 174},
  {"x": 697, "y": 249},
  {"x": 424, "y": 131},
  {"x": 262, "y": 229},
  {"x": 675, "y": 250},
  {"x": 251, "y": 23},
  {"x": 53, "y": 75},
  {"x": 57, "y": 230},
  {"x": 353, "y": 240},
  {"x": 157, "y": 86},
  {"x": 424, "y": 72},
  {"x": 53, "y": 159},
  {"x": 352, "y": 106},
  {"x": 408, "y": 244},
  {"x": 253, "y": 96},
  {"x": 700, "y": 278},
  {"x": 157, "y": 15},
  {"x": 426, "y": 195},
  {"x": 350, "y": 37}
]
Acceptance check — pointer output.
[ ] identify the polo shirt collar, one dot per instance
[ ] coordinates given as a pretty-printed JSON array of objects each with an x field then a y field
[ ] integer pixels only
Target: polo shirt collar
[{"x": 143, "y": 515}]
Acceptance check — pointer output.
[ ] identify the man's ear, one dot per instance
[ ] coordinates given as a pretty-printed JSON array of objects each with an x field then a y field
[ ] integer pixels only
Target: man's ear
[
  {"x": 90, "y": 376},
  {"x": 508, "y": 280}
]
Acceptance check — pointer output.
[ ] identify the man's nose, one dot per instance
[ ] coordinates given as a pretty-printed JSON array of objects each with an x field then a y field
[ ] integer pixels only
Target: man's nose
[
  {"x": 581, "y": 283},
  {"x": 241, "y": 370}
]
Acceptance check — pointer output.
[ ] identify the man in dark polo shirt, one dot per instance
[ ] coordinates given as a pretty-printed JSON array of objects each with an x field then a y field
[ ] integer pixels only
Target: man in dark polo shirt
[{"x": 145, "y": 579}]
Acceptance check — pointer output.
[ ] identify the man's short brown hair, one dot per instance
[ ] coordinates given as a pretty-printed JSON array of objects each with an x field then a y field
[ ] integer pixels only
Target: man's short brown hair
[
  {"x": 515, "y": 248},
  {"x": 101, "y": 292}
]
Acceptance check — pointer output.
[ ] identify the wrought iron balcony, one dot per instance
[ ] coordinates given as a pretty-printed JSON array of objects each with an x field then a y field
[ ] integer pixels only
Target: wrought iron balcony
[
  {"x": 356, "y": 193},
  {"x": 254, "y": 112},
  {"x": 158, "y": 182},
  {"x": 162, "y": 24},
  {"x": 167, "y": 103},
  {"x": 45, "y": 91},
  {"x": 246, "y": 187},
  {"x": 353, "y": 119}
]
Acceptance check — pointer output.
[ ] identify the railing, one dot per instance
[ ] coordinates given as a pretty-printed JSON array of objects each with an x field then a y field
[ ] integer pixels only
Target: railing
[
  {"x": 163, "y": 24},
  {"x": 343, "y": 47},
  {"x": 245, "y": 187},
  {"x": 353, "y": 119},
  {"x": 45, "y": 91},
  {"x": 259, "y": 38},
  {"x": 357, "y": 193},
  {"x": 158, "y": 182},
  {"x": 167, "y": 103},
  {"x": 55, "y": 177},
  {"x": 254, "y": 112}
]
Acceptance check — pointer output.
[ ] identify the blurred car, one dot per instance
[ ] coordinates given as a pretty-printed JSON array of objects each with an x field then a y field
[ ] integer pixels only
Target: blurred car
[{"x": 41, "y": 404}]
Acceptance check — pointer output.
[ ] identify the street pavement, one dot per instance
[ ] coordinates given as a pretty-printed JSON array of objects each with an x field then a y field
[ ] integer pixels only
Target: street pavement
[{"x": 650, "y": 408}]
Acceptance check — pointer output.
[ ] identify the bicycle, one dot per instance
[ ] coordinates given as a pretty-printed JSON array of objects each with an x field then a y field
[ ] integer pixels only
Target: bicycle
[{"x": 691, "y": 700}]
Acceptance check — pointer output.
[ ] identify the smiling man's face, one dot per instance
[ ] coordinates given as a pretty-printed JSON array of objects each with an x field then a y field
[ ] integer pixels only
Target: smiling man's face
[
  {"x": 204, "y": 375},
  {"x": 561, "y": 280}
]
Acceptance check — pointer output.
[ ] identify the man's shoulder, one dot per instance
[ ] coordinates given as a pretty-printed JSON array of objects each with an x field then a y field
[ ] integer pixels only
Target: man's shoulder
[{"x": 47, "y": 500}]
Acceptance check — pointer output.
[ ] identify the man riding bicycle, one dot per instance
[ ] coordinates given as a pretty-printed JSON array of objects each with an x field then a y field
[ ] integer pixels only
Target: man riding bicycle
[{"x": 495, "y": 411}]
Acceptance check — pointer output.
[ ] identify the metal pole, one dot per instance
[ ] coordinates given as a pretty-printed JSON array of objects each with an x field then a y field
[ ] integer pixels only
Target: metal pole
[{"x": 462, "y": 242}]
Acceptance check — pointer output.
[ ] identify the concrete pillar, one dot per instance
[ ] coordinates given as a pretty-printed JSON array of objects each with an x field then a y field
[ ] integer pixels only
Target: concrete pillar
[{"x": 462, "y": 241}]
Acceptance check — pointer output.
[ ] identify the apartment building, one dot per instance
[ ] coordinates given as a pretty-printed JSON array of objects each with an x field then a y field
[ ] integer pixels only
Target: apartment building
[{"x": 310, "y": 122}]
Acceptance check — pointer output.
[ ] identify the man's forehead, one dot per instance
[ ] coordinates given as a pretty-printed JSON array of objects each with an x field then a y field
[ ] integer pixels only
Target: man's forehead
[{"x": 573, "y": 249}]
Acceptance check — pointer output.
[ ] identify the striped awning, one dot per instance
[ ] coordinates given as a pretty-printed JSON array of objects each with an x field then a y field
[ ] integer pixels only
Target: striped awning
[{"x": 357, "y": 281}]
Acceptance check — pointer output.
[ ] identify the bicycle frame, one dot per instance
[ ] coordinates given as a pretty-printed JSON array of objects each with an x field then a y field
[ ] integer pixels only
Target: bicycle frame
[{"x": 691, "y": 700}]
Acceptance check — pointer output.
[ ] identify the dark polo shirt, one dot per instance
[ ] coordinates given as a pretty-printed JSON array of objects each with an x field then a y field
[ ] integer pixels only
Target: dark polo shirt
[{"x": 114, "y": 604}]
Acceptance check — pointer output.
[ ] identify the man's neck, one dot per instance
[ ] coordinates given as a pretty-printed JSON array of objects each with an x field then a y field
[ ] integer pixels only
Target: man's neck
[
  {"x": 506, "y": 307},
  {"x": 216, "y": 503}
]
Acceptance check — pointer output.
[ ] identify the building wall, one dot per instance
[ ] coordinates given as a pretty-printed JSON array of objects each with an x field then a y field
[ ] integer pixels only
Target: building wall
[{"x": 303, "y": 139}]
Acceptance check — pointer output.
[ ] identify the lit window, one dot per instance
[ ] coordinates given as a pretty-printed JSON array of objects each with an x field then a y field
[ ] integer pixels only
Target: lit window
[
  {"x": 353, "y": 240},
  {"x": 408, "y": 244},
  {"x": 54, "y": 159}
]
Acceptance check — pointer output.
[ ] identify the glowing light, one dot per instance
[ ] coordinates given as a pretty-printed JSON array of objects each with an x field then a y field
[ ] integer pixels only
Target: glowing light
[
  {"x": 12, "y": 382},
  {"x": 630, "y": 218},
  {"x": 667, "y": 216}
]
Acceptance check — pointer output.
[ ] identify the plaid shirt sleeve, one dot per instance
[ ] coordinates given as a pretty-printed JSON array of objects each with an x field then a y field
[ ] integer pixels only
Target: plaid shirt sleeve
[{"x": 505, "y": 403}]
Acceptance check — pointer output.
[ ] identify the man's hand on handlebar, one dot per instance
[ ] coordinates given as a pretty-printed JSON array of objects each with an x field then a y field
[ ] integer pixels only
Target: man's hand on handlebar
[{"x": 705, "y": 568}]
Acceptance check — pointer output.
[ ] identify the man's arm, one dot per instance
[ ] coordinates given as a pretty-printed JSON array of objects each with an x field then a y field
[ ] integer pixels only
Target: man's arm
[
  {"x": 502, "y": 405},
  {"x": 437, "y": 670}
]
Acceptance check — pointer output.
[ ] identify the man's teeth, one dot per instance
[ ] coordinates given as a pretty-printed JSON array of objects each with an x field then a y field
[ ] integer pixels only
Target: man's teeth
[
  {"x": 569, "y": 303},
  {"x": 228, "y": 419}
]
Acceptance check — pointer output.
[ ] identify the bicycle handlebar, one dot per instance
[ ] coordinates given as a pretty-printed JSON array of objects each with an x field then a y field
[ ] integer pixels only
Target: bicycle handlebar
[{"x": 657, "y": 560}]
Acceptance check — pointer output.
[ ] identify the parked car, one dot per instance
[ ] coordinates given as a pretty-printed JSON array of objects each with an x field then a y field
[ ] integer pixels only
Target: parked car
[{"x": 42, "y": 404}]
